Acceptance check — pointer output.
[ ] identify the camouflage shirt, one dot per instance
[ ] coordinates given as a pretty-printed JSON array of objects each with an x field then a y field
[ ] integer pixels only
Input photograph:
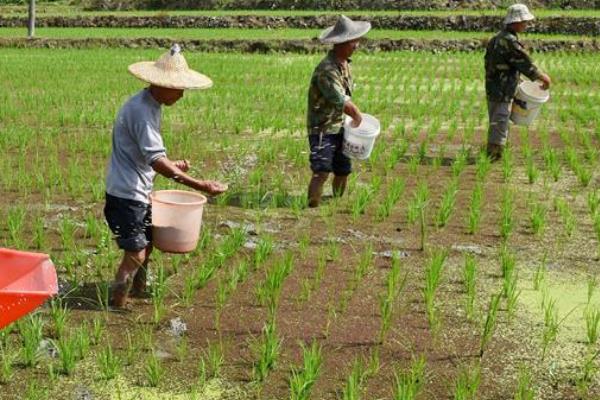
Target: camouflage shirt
[
  {"x": 330, "y": 86},
  {"x": 505, "y": 60}
]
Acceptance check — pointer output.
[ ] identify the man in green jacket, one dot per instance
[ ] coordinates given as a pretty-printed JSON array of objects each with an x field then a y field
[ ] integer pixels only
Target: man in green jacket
[
  {"x": 329, "y": 98},
  {"x": 505, "y": 60}
]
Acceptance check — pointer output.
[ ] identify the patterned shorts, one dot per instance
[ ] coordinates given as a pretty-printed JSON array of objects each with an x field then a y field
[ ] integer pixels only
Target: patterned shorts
[{"x": 326, "y": 154}]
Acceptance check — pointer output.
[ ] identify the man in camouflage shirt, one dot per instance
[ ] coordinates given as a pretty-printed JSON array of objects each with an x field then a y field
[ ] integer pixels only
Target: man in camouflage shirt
[
  {"x": 505, "y": 60},
  {"x": 329, "y": 98}
]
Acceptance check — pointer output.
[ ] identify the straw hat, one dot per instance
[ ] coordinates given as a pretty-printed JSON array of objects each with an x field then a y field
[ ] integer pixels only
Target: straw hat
[
  {"x": 345, "y": 30},
  {"x": 170, "y": 71},
  {"x": 518, "y": 13}
]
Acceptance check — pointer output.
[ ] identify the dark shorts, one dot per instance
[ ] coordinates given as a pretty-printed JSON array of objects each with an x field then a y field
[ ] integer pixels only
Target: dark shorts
[
  {"x": 130, "y": 221},
  {"x": 326, "y": 154}
]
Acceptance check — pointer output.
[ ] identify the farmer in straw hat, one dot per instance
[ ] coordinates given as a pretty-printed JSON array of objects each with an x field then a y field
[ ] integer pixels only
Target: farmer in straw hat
[
  {"x": 505, "y": 60},
  {"x": 138, "y": 153},
  {"x": 329, "y": 98}
]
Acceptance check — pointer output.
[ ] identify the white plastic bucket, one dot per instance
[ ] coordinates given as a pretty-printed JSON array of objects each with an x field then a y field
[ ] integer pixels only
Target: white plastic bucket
[
  {"x": 176, "y": 220},
  {"x": 528, "y": 102},
  {"x": 359, "y": 141}
]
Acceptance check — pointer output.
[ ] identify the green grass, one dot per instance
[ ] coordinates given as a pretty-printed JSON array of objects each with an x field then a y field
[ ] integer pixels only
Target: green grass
[{"x": 252, "y": 34}]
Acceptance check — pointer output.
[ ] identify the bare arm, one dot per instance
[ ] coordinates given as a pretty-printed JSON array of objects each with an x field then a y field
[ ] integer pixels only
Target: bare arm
[
  {"x": 353, "y": 112},
  {"x": 174, "y": 170}
]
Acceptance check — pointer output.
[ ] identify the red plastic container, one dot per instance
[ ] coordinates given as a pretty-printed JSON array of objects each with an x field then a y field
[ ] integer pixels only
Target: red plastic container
[{"x": 27, "y": 280}]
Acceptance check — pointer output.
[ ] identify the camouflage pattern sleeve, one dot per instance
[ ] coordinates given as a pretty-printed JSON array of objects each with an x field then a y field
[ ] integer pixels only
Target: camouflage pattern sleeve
[
  {"x": 332, "y": 88},
  {"x": 520, "y": 59}
]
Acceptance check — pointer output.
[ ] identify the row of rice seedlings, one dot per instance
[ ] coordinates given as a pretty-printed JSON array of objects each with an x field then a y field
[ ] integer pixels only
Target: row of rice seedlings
[
  {"x": 433, "y": 274},
  {"x": 303, "y": 379},
  {"x": 393, "y": 287},
  {"x": 364, "y": 196},
  {"x": 269, "y": 291},
  {"x": 266, "y": 351},
  {"x": 447, "y": 203},
  {"x": 409, "y": 383},
  {"x": 395, "y": 191}
]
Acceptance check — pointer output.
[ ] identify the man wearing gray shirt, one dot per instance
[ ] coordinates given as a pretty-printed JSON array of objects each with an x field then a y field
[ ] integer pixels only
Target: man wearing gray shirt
[{"x": 138, "y": 153}]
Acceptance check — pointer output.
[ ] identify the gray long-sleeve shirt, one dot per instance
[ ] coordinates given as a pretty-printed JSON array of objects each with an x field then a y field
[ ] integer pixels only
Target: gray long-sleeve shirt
[{"x": 136, "y": 144}]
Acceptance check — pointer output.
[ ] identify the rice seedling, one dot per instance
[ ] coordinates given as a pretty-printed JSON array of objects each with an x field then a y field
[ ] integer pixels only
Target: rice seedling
[
  {"x": 221, "y": 297},
  {"x": 7, "y": 361},
  {"x": 189, "y": 290},
  {"x": 386, "y": 300},
  {"x": 512, "y": 293},
  {"x": 538, "y": 218},
  {"x": 15, "y": 220},
  {"x": 567, "y": 217},
  {"x": 418, "y": 202},
  {"x": 159, "y": 291},
  {"x": 469, "y": 283},
  {"x": 539, "y": 275},
  {"x": 506, "y": 214},
  {"x": 82, "y": 341},
  {"x": 459, "y": 163},
  {"x": 98, "y": 329},
  {"x": 205, "y": 239},
  {"x": 524, "y": 389},
  {"x": 592, "y": 284},
  {"x": 552, "y": 162},
  {"x": 394, "y": 194},
  {"x": 356, "y": 380},
  {"x": 31, "y": 328},
  {"x": 592, "y": 324},
  {"x": 361, "y": 201},
  {"x": 182, "y": 348},
  {"x": 489, "y": 325},
  {"x": 216, "y": 359},
  {"x": 264, "y": 248},
  {"x": 35, "y": 392},
  {"x": 588, "y": 370},
  {"x": 67, "y": 353},
  {"x": 67, "y": 228},
  {"x": 154, "y": 370},
  {"x": 467, "y": 383},
  {"x": 551, "y": 323},
  {"x": 507, "y": 164},
  {"x": 132, "y": 349},
  {"x": 475, "y": 208},
  {"x": 433, "y": 272},
  {"x": 202, "y": 373},
  {"x": 269, "y": 291},
  {"x": 482, "y": 166},
  {"x": 408, "y": 384},
  {"x": 109, "y": 363},
  {"x": 39, "y": 233},
  {"x": 447, "y": 203},
  {"x": 60, "y": 316},
  {"x": 303, "y": 379},
  {"x": 266, "y": 351}
]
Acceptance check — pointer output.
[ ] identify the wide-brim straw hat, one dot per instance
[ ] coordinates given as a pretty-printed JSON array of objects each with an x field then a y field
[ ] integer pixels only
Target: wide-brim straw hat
[
  {"x": 518, "y": 13},
  {"x": 170, "y": 71},
  {"x": 344, "y": 31}
]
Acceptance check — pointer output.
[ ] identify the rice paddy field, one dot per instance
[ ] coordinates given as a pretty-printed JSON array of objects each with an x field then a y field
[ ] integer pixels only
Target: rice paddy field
[{"x": 439, "y": 275}]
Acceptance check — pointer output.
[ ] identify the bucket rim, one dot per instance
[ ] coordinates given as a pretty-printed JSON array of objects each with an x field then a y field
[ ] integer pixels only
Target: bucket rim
[
  {"x": 348, "y": 128},
  {"x": 201, "y": 198},
  {"x": 539, "y": 99}
]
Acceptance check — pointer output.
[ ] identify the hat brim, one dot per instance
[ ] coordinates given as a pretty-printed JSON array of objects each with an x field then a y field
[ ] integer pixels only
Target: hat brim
[
  {"x": 185, "y": 80},
  {"x": 327, "y": 36}
]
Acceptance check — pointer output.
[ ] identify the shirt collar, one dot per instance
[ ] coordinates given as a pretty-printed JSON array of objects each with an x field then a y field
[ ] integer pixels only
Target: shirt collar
[{"x": 151, "y": 98}]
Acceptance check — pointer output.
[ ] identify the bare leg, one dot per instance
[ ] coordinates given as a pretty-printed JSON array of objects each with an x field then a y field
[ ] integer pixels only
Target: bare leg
[
  {"x": 138, "y": 288},
  {"x": 315, "y": 188},
  {"x": 339, "y": 185},
  {"x": 131, "y": 262}
]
